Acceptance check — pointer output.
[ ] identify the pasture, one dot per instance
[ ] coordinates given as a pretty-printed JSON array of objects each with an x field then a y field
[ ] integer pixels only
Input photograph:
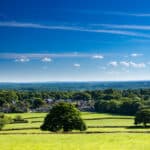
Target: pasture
[{"x": 108, "y": 132}]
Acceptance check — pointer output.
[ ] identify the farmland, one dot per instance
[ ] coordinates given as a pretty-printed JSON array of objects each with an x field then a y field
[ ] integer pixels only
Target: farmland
[
  {"x": 108, "y": 132},
  {"x": 94, "y": 121},
  {"x": 76, "y": 142}
]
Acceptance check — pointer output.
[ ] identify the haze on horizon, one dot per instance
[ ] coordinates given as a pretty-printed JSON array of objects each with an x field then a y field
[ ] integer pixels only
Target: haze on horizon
[{"x": 68, "y": 40}]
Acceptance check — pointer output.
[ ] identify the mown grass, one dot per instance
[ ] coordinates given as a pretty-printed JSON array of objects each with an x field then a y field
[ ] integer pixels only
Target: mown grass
[
  {"x": 110, "y": 122},
  {"x": 28, "y": 136},
  {"x": 95, "y": 122},
  {"x": 76, "y": 142},
  {"x": 28, "y": 115}
]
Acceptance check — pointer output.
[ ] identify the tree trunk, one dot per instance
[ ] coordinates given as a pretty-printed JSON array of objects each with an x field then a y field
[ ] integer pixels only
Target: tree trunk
[{"x": 144, "y": 124}]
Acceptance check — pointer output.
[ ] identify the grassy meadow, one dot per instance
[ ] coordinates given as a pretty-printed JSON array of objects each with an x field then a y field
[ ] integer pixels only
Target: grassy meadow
[
  {"x": 76, "y": 142},
  {"x": 116, "y": 134}
]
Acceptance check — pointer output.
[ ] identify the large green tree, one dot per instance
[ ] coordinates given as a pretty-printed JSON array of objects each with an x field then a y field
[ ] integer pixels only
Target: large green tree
[
  {"x": 63, "y": 116},
  {"x": 142, "y": 116}
]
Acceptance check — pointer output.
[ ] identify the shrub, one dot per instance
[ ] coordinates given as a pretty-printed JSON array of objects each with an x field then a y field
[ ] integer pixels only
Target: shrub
[
  {"x": 19, "y": 119},
  {"x": 4, "y": 120}
]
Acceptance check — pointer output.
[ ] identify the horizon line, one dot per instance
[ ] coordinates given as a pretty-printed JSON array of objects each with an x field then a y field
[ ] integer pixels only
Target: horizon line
[{"x": 20, "y": 82}]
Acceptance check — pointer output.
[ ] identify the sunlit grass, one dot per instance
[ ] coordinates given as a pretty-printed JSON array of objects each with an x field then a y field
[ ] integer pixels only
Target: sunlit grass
[{"x": 76, "y": 142}]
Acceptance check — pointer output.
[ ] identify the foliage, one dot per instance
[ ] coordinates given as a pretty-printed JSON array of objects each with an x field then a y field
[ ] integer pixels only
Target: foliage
[
  {"x": 63, "y": 116},
  {"x": 125, "y": 106},
  {"x": 4, "y": 120},
  {"x": 81, "y": 96},
  {"x": 125, "y": 102},
  {"x": 19, "y": 119},
  {"x": 37, "y": 102},
  {"x": 142, "y": 116}
]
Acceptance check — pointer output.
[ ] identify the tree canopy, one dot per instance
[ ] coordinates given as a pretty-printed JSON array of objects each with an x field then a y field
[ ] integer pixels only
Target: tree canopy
[
  {"x": 63, "y": 116},
  {"x": 142, "y": 116}
]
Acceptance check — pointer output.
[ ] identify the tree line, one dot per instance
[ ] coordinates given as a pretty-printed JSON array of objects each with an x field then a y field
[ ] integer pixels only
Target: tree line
[{"x": 126, "y": 102}]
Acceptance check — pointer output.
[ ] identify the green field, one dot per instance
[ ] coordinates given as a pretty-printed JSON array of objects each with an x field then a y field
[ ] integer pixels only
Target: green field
[
  {"x": 76, "y": 142},
  {"x": 28, "y": 136}
]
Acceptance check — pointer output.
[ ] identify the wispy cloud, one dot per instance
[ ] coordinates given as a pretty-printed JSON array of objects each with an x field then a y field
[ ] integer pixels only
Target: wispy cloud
[
  {"x": 70, "y": 28},
  {"x": 46, "y": 59},
  {"x": 113, "y": 63},
  {"x": 47, "y": 56},
  {"x": 132, "y": 14},
  {"x": 125, "y": 26},
  {"x": 136, "y": 55},
  {"x": 22, "y": 60},
  {"x": 124, "y": 63},
  {"x": 127, "y": 64},
  {"x": 137, "y": 65},
  {"x": 76, "y": 65},
  {"x": 132, "y": 64},
  {"x": 98, "y": 57}
]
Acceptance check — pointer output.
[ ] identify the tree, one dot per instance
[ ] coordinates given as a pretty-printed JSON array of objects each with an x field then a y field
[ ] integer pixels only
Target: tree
[
  {"x": 63, "y": 116},
  {"x": 37, "y": 102},
  {"x": 101, "y": 106},
  {"x": 113, "y": 106},
  {"x": 130, "y": 107},
  {"x": 4, "y": 120},
  {"x": 81, "y": 96},
  {"x": 142, "y": 116}
]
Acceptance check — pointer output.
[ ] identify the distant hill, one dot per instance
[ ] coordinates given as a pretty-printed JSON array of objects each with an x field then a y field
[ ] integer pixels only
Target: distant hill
[{"x": 65, "y": 86}]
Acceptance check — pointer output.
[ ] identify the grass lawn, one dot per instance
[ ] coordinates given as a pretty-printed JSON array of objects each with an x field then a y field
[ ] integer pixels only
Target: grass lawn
[
  {"x": 106, "y": 122},
  {"x": 76, "y": 142},
  {"x": 35, "y": 139}
]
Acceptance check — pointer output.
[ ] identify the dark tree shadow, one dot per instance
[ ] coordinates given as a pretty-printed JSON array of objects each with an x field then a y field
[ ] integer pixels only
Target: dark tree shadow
[{"x": 138, "y": 127}]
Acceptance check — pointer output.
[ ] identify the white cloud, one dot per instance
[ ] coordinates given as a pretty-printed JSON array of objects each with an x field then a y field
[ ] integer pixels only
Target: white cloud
[
  {"x": 22, "y": 60},
  {"x": 70, "y": 28},
  {"x": 77, "y": 65},
  {"x": 137, "y": 65},
  {"x": 113, "y": 63},
  {"x": 46, "y": 59},
  {"x": 124, "y": 63},
  {"x": 133, "y": 64},
  {"x": 98, "y": 57},
  {"x": 128, "y": 64},
  {"x": 136, "y": 55}
]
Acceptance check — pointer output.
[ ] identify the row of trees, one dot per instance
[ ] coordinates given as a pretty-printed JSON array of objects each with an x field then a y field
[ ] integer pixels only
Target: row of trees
[
  {"x": 109, "y": 100},
  {"x": 13, "y": 96},
  {"x": 65, "y": 117},
  {"x": 124, "y": 106}
]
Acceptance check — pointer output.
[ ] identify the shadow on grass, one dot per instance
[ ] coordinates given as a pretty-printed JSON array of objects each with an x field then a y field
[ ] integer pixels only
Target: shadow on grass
[
  {"x": 103, "y": 118},
  {"x": 138, "y": 127}
]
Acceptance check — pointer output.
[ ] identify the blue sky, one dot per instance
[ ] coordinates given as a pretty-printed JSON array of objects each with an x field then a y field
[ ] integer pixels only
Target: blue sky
[{"x": 74, "y": 40}]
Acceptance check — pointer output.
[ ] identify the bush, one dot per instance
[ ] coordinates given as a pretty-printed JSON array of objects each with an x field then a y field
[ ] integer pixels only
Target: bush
[
  {"x": 4, "y": 120},
  {"x": 63, "y": 116},
  {"x": 2, "y": 123},
  {"x": 19, "y": 119}
]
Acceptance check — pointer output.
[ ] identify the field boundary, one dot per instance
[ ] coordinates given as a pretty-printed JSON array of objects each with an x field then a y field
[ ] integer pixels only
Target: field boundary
[
  {"x": 107, "y": 118},
  {"x": 88, "y": 132}
]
